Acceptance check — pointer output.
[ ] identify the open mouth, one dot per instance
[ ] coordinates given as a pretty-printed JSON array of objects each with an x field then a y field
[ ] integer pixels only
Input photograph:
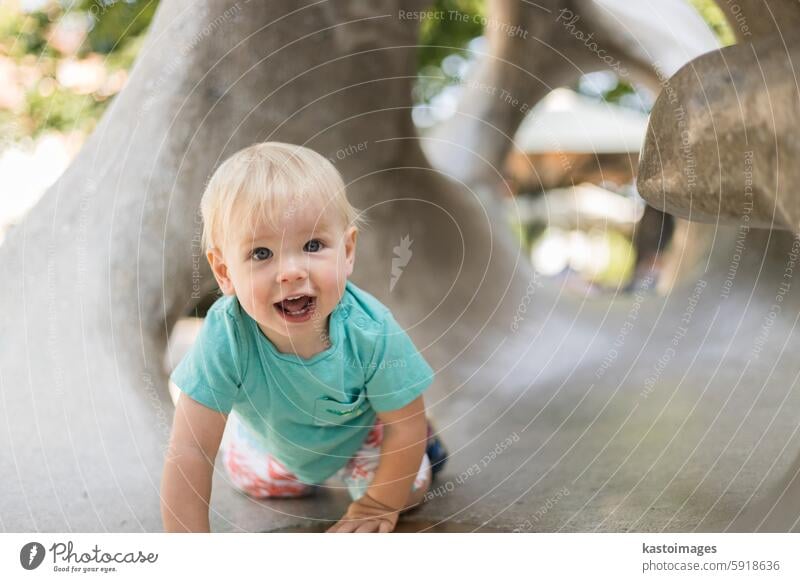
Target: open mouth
[{"x": 297, "y": 309}]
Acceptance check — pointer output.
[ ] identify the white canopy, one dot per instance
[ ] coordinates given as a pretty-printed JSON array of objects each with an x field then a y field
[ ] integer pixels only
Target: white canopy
[{"x": 567, "y": 121}]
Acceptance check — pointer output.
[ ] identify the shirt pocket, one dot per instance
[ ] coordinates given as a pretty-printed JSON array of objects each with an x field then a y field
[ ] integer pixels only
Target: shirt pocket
[{"x": 328, "y": 412}]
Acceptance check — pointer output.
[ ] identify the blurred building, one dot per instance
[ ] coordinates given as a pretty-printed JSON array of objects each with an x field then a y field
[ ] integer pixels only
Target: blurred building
[{"x": 569, "y": 139}]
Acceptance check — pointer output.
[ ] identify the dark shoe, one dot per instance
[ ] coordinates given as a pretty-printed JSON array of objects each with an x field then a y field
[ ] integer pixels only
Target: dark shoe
[{"x": 436, "y": 452}]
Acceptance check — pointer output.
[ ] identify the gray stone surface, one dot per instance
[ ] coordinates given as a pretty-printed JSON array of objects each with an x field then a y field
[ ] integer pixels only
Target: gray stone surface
[{"x": 721, "y": 144}]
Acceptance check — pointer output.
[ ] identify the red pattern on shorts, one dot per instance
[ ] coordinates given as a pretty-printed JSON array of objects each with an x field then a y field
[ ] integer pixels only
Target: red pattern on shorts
[{"x": 270, "y": 479}]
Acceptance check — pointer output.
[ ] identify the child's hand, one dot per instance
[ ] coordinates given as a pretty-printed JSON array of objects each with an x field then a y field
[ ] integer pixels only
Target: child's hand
[{"x": 367, "y": 515}]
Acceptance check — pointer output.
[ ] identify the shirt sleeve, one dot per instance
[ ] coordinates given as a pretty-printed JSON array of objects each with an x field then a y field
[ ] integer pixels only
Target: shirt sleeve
[
  {"x": 397, "y": 373},
  {"x": 210, "y": 373}
]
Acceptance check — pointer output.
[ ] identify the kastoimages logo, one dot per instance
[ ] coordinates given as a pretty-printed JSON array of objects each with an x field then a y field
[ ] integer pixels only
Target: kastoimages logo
[{"x": 31, "y": 555}]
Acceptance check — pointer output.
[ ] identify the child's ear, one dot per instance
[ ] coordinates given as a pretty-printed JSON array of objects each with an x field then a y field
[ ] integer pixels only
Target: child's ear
[
  {"x": 350, "y": 237},
  {"x": 220, "y": 270}
]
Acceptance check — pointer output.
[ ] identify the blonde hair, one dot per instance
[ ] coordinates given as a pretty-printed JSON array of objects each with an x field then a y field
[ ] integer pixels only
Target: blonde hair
[{"x": 268, "y": 181}]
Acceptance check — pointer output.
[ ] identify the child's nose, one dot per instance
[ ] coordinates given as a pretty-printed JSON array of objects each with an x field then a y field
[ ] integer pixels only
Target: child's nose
[{"x": 291, "y": 271}]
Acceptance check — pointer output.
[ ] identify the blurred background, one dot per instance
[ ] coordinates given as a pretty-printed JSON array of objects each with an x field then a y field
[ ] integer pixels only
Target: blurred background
[{"x": 571, "y": 175}]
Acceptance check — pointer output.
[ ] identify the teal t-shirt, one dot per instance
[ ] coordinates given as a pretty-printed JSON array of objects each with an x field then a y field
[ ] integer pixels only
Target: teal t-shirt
[{"x": 312, "y": 414}]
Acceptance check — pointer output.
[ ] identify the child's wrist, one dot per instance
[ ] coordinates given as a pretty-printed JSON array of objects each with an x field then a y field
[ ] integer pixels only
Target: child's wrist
[
  {"x": 390, "y": 498},
  {"x": 370, "y": 501}
]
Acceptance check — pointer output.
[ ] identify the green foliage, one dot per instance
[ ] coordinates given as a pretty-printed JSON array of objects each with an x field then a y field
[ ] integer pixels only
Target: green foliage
[
  {"x": 452, "y": 25},
  {"x": 62, "y": 110},
  {"x": 124, "y": 56},
  {"x": 616, "y": 94},
  {"x": 23, "y": 34},
  {"x": 116, "y": 22},
  {"x": 114, "y": 32},
  {"x": 439, "y": 37},
  {"x": 715, "y": 18}
]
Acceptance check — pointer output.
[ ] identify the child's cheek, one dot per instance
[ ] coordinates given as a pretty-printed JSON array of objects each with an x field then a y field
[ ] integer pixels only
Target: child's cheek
[{"x": 336, "y": 278}]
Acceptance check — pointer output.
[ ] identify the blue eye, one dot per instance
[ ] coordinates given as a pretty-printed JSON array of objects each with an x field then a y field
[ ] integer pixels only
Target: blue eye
[
  {"x": 313, "y": 246},
  {"x": 261, "y": 254}
]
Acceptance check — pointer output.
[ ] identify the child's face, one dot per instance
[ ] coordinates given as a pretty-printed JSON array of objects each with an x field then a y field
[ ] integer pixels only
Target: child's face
[{"x": 310, "y": 256}]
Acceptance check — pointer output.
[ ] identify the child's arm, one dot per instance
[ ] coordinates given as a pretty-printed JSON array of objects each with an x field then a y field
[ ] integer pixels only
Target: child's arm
[
  {"x": 404, "y": 438},
  {"x": 189, "y": 466}
]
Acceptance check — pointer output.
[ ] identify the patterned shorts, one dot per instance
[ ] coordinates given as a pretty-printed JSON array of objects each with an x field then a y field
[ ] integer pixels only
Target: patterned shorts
[{"x": 254, "y": 471}]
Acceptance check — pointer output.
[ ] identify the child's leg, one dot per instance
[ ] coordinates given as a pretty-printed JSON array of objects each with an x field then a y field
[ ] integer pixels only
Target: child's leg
[
  {"x": 253, "y": 470},
  {"x": 421, "y": 484},
  {"x": 359, "y": 471}
]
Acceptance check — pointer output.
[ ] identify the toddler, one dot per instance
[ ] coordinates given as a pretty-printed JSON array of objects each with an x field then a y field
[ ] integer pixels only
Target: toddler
[{"x": 315, "y": 376}]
